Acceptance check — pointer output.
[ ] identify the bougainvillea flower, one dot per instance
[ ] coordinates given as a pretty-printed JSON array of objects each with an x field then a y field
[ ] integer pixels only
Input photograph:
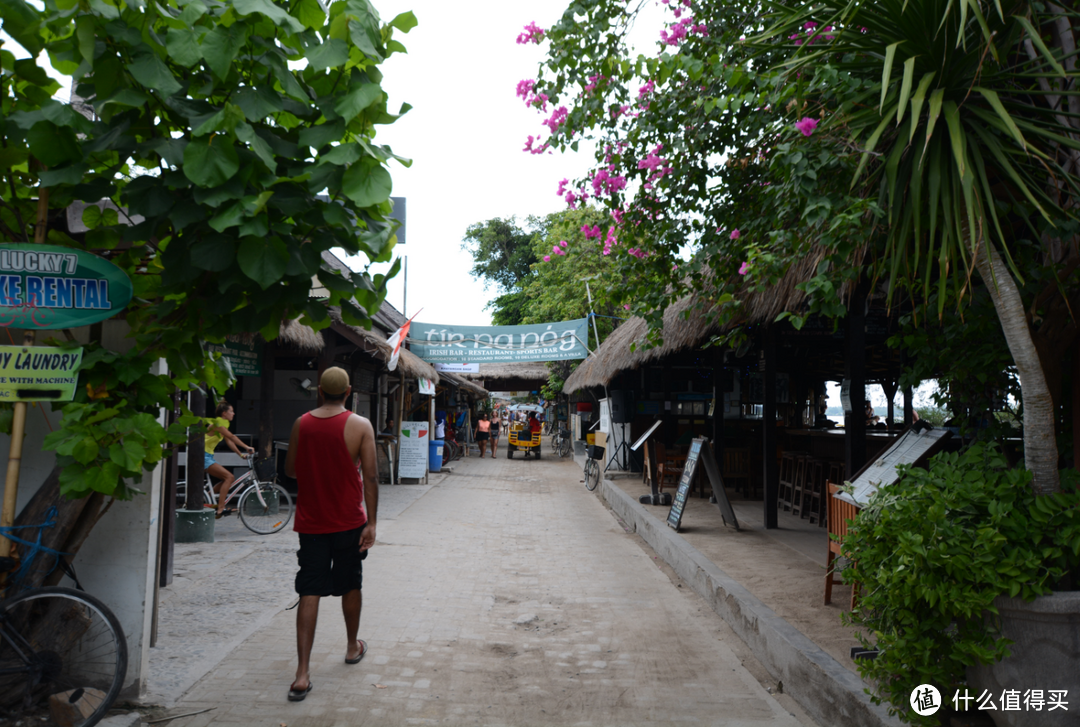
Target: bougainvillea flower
[
  {"x": 562, "y": 243},
  {"x": 533, "y": 34},
  {"x": 807, "y": 125},
  {"x": 735, "y": 234},
  {"x": 547, "y": 258},
  {"x": 744, "y": 269}
]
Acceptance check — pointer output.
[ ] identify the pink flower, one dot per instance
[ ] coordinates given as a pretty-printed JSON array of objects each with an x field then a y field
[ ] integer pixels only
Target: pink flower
[
  {"x": 646, "y": 89},
  {"x": 562, "y": 187},
  {"x": 533, "y": 34},
  {"x": 591, "y": 232},
  {"x": 557, "y": 119},
  {"x": 735, "y": 234},
  {"x": 547, "y": 258},
  {"x": 806, "y": 125},
  {"x": 562, "y": 243},
  {"x": 626, "y": 306},
  {"x": 525, "y": 88},
  {"x": 570, "y": 198},
  {"x": 744, "y": 269}
]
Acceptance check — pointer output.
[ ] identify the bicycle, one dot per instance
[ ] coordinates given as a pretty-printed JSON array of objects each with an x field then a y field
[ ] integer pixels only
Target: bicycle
[
  {"x": 60, "y": 642},
  {"x": 560, "y": 441},
  {"x": 592, "y": 467},
  {"x": 264, "y": 506}
]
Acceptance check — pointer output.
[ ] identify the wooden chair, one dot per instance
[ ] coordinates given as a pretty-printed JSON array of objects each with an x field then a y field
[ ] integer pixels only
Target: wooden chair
[
  {"x": 840, "y": 513},
  {"x": 737, "y": 470},
  {"x": 669, "y": 467},
  {"x": 787, "y": 479}
]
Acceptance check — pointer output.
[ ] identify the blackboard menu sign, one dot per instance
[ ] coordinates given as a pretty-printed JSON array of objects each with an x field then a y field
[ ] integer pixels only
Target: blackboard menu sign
[
  {"x": 685, "y": 482},
  {"x": 701, "y": 455}
]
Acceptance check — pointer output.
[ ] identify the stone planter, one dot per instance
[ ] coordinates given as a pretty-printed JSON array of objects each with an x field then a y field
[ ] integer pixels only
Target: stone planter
[{"x": 1045, "y": 656}]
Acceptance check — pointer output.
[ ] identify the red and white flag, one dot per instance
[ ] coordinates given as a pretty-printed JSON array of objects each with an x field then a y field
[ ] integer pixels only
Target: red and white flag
[{"x": 397, "y": 340}]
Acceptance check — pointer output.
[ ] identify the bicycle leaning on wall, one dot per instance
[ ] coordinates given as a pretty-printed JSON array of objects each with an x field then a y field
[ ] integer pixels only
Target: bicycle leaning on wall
[{"x": 56, "y": 643}]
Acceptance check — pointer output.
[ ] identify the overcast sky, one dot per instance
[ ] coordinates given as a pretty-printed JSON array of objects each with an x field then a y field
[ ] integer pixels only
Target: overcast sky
[{"x": 465, "y": 134}]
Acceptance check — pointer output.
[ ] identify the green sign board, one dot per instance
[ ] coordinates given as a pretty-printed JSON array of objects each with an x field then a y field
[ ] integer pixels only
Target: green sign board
[
  {"x": 244, "y": 358},
  {"x": 437, "y": 343},
  {"x": 38, "y": 373},
  {"x": 46, "y": 287}
]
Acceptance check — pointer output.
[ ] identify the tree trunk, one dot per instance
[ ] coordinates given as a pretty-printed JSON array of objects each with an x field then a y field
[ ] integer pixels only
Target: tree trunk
[{"x": 1040, "y": 446}]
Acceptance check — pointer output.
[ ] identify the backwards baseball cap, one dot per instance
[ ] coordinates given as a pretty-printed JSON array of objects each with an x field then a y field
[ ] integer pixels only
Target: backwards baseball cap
[{"x": 334, "y": 381}]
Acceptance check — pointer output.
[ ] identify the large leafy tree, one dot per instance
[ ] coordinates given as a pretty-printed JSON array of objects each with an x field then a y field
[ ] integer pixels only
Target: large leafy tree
[
  {"x": 915, "y": 143},
  {"x": 214, "y": 128},
  {"x": 503, "y": 257}
]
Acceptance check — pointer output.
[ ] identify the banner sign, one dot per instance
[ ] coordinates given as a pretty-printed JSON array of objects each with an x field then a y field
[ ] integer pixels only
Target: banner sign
[
  {"x": 438, "y": 343},
  {"x": 458, "y": 368},
  {"x": 426, "y": 386},
  {"x": 46, "y": 287},
  {"x": 38, "y": 373},
  {"x": 244, "y": 358},
  {"x": 413, "y": 449}
]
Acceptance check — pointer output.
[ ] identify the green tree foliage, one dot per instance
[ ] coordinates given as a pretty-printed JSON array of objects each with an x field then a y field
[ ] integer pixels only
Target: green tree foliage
[
  {"x": 212, "y": 126},
  {"x": 933, "y": 551},
  {"x": 503, "y": 256},
  {"x": 911, "y": 142}
]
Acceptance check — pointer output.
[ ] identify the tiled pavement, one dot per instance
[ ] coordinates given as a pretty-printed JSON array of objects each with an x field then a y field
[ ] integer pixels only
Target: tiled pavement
[{"x": 506, "y": 595}]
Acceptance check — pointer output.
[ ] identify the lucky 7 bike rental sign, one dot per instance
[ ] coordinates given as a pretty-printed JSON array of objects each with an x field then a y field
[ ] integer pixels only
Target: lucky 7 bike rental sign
[{"x": 46, "y": 287}]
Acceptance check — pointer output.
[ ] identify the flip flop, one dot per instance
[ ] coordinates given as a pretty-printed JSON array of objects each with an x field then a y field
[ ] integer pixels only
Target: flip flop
[
  {"x": 299, "y": 695},
  {"x": 363, "y": 653}
]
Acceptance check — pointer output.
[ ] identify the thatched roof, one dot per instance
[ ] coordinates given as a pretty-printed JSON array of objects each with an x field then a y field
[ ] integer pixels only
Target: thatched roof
[
  {"x": 300, "y": 337},
  {"x": 374, "y": 342},
  {"x": 455, "y": 380},
  {"x": 531, "y": 371},
  {"x": 625, "y": 349}
]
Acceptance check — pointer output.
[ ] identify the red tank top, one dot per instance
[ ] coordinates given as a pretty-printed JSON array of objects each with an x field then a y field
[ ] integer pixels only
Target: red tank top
[{"x": 330, "y": 498}]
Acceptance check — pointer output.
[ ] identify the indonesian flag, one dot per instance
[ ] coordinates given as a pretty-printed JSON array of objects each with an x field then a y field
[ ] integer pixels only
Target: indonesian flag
[{"x": 395, "y": 343}]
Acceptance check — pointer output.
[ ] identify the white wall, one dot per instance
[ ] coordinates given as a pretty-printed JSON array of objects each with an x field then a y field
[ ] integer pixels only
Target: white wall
[{"x": 118, "y": 561}]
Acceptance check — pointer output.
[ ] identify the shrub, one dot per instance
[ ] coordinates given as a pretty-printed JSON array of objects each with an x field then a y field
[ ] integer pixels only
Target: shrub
[{"x": 930, "y": 554}]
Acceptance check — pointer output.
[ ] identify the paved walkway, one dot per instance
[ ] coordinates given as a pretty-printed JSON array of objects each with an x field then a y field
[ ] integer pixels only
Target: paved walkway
[{"x": 505, "y": 595}]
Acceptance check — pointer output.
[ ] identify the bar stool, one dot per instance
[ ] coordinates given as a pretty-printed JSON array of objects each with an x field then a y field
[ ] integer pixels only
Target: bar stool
[
  {"x": 816, "y": 492},
  {"x": 836, "y": 472},
  {"x": 787, "y": 479},
  {"x": 799, "y": 485}
]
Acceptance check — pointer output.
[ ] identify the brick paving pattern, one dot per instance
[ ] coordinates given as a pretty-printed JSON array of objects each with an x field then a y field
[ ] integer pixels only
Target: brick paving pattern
[{"x": 506, "y": 595}]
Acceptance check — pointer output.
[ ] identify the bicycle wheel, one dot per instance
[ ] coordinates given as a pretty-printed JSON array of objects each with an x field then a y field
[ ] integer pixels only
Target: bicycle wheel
[
  {"x": 69, "y": 642},
  {"x": 564, "y": 446},
  {"x": 265, "y": 508},
  {"x": 592, "y": 475}
]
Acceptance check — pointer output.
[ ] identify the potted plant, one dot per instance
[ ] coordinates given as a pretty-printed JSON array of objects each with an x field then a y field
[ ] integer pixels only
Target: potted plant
[{"x": 942, "y": 558}]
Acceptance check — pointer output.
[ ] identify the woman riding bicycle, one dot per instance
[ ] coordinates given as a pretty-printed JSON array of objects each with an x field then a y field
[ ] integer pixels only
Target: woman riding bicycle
[{"x": 219, "y": 429}]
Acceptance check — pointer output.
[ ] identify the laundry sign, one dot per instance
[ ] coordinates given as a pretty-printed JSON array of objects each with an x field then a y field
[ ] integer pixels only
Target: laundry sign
[
  {"x": 46, "y": 287},
  {"x": 39, "y": 373}
]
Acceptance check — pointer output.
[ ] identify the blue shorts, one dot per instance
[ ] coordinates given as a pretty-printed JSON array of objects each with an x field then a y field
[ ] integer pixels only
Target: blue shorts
[{"x": 208, "y": 460}]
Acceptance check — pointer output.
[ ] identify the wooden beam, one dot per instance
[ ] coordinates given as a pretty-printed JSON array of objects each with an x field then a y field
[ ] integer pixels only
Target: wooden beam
[{"x": 768, "y": 427}]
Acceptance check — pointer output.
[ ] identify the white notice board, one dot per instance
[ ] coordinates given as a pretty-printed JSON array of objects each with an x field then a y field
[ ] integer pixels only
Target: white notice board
[
  {"x": 605, "y": 417},
  {"x": 911, "y": 448},
  {"x": 413, "y": 449}
]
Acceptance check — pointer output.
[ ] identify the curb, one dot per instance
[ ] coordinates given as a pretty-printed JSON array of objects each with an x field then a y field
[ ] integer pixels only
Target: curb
[{"x": 826, "y": 690}]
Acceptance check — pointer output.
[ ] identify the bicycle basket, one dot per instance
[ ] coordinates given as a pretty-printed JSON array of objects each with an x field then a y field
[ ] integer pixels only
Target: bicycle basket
[
  {"x": 266, "y": 469},
  {"x": 595, "y": 452}
]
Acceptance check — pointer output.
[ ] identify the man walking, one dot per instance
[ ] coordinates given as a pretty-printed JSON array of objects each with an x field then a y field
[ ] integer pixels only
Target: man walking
[{"x": 326, "y": 446}]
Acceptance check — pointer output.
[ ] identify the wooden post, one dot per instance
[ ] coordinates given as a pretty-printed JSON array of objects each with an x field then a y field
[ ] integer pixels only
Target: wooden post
[
  {"x": 401, "y": 415},
  {"x": 11, "y": 481},
  {"x": 768, "y": 425},
  {"x": 855, "y": 367},
  {"x": 168, "y": 511},
  {"x": 266, "y": 400},
  {"x": 196, "y": 446}
]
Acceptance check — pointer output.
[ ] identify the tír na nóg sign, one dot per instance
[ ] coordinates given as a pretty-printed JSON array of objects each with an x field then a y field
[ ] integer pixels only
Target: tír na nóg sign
[
  {"x": 38, "y": 373},
  {"x": 48, "y": 287}
]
